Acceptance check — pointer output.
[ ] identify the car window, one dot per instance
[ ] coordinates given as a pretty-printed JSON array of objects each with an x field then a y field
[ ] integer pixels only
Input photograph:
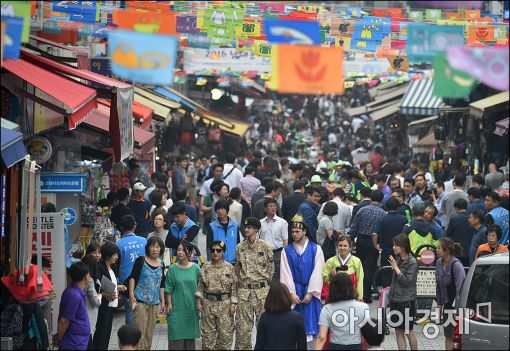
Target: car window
[{"x": 490, "y": 285}]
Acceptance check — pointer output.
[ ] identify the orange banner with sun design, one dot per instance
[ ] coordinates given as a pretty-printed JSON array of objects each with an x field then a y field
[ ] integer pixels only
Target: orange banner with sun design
[{"x": 307, "y": 69}]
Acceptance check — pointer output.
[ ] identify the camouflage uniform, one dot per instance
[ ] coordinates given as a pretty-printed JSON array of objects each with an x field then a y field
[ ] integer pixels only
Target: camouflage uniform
[
  {"x": 254, "y": 269},
  {"x": 217, "y": 324}
]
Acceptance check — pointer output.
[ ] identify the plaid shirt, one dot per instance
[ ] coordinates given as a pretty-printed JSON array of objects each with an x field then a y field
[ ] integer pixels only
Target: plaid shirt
[{"x": 365, "y": 220}]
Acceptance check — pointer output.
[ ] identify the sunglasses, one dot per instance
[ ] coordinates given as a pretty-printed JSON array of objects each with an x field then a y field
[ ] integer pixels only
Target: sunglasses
[{"x": 216, "y": 250}]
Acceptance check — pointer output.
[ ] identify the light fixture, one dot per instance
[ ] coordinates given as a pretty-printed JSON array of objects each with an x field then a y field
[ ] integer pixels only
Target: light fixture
[{"x": 216, "y": 94}]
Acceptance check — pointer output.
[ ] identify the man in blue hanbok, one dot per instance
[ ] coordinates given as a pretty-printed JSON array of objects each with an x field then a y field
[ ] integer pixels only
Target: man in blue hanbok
[{"x": 300, "y": 271}]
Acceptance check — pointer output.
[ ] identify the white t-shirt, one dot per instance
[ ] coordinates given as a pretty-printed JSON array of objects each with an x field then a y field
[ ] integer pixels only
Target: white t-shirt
[{"x": 350, "y": 333}]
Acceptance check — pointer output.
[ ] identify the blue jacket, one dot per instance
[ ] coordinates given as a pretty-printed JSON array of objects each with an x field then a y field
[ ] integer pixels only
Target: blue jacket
[
  {"x": 309, "y": 211},
  {"x": 130, "y": 246},
  {"x": 230, "y": 237},
  {"x": 178, "y": 234}
]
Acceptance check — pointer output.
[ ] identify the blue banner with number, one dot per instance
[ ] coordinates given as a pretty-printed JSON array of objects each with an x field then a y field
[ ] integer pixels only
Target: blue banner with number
[{"x": 292, "y": 32}]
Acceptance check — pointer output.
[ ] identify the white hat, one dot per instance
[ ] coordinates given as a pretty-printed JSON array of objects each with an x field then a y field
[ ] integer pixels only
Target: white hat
[
  {"x": 139, "y": 186},
  {"x": 316, "y": 179}
]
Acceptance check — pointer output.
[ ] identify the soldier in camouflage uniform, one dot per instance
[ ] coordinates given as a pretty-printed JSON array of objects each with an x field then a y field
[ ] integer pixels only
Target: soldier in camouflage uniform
[
  {"x": 254, "y": 269},
  {"x": 217, "y": 299}
]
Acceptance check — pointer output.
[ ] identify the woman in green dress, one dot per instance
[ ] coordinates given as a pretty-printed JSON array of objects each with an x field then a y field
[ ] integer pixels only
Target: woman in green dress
[{"x": 182, "y": 314}]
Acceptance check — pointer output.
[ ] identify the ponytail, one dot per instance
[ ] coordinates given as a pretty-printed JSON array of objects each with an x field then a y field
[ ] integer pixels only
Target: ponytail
[{"x": 453, "y": 248}]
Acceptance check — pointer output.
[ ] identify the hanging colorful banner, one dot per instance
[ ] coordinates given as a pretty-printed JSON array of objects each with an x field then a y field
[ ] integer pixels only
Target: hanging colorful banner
[
  {"x": 292, "y": 32},
  {"x": 21, "y": 9},
  {"x": 500, "y": 33},
  {"x": 488, "y": 65},
  {"x": 11, "y": 40},
  {"x": 307, "y": 69},
  {"x": 186, "y": 24},
  {"x": 145, "y": 21},
  {"x": 450, "y": 82},
  {"x": 343, "y": 42},
  {"x": 471, "y": 15},
  {"x": 425, "y": 40},
  {"x": 248, "y": 29},
  {"x": 342, "y": 27},
  {"x": 2, "y": 33},
  {"x": 399, "y": 63},
  {"x": 433, "y": 14},
  {"x": 480, "y": 33},
  {"x": 223, "y": 21},
  {"x": 454, "y": 16},
  {"x": 349, "y": 12},
  {"x": 79, "y": 11},
  {"x": 223, "y": 60},
  {"x": 262, "y": 48},
  {"x": 142, "y": 58},
  {"x": 158, "y": 6},
  {"x": 402, "y": 35},
  {"x": 416, "y": 15},
  {"x": 272, "y": 7}
]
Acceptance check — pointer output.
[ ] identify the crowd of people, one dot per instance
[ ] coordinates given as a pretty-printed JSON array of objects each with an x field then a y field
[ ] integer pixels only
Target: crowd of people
[
  {"x": 295, "y": 229},
  {"x": 283, "y": 244}
]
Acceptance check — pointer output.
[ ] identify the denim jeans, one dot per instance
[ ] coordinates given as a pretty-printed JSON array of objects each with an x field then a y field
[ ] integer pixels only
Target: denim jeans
[{"x": 127, "y": 309}]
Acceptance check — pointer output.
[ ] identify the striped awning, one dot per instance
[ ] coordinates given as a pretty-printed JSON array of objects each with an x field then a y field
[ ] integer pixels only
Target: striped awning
[{"x": 419, "y": 99}]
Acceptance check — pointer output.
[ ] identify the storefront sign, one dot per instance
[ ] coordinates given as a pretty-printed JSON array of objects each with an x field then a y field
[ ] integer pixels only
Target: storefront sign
[
  {"x": 53, "y": 248},
  {"x": 70, "y": 215},
  {"x": 426, "y": 282},
  {"x": 125, "y": 112},
  {"x": 63, "y": 182},
  {"x": 41, "y": 150},
  {"x": 222, "y": 60}
]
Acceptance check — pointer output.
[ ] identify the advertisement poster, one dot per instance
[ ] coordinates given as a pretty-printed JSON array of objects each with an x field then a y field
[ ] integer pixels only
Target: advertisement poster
[{"x": 53, "y": 248}]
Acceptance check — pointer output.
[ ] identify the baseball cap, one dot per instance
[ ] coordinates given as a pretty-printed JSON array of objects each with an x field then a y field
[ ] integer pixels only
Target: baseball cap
[
  {"x": 252, "y": 222},
  {"x": 139, "y": 186},
  {"x": 316, "y": 179}
]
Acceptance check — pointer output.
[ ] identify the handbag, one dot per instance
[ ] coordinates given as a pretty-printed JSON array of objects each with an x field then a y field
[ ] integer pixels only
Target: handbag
[{"x": 328, "y": 246}]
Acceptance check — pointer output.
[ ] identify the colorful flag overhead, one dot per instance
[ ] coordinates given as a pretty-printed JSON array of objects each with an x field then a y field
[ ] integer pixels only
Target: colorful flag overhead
[
  {"x": 450, "y": 82},
  {"x": 307, "y": 69},
  {"x": 488, "y": 65},
  {"x": 292, "y": 32},
  {"x": 142, "y": 58}
]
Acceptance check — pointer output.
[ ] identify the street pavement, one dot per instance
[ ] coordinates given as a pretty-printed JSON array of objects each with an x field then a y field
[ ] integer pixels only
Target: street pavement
[{"x": 160, "y": 339}]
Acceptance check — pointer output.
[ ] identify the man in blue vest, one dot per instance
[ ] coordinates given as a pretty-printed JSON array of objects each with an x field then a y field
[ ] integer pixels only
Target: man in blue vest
[
  {"x": 497, "y": 215},
  {"x": 301, "y": 267},
  {"x": 182, "y": 228},
  {"x": 226, "y": 230},
  {"x": 130, "y": 247}
]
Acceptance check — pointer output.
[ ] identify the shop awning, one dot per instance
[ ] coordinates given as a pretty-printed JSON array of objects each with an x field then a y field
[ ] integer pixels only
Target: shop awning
[
  {"x": 140, "y": 112},
  {"x": 160, "y": 105},
  {"x": 356, "y": 111},
  {"x": 502, "y": 127},
  {"x": 388, "y": 95},
  {"x": 419, "y": 99},
  {"x": 425, "y": 144},
  {"x": 74, "y": 72},
  {"x": 492, "y": 103},
  {"x": 100, "y": 119},
  {"x": 225, "y": 124},
  {"x": 385, "y": 112},
  {"x": 422, "y": 121},
  {"x": 77, "y": 99},
  {"x": 13, "y": 149}
]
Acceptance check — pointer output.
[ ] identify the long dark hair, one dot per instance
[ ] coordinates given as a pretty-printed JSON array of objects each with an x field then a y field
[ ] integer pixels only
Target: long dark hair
[
  {"x": 91, "y": 261},
  {"x": 278, "y": 299}
]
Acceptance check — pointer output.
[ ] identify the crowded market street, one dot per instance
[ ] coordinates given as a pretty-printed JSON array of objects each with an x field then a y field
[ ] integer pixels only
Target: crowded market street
[{"x": 254, "y": 175}]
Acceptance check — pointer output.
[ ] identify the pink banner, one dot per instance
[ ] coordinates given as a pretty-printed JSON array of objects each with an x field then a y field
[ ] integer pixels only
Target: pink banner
[{"x": 488, "y": 65}]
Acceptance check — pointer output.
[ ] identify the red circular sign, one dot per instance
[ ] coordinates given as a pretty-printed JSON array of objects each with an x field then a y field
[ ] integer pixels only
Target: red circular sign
[{"x": 427, "y": 256}]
